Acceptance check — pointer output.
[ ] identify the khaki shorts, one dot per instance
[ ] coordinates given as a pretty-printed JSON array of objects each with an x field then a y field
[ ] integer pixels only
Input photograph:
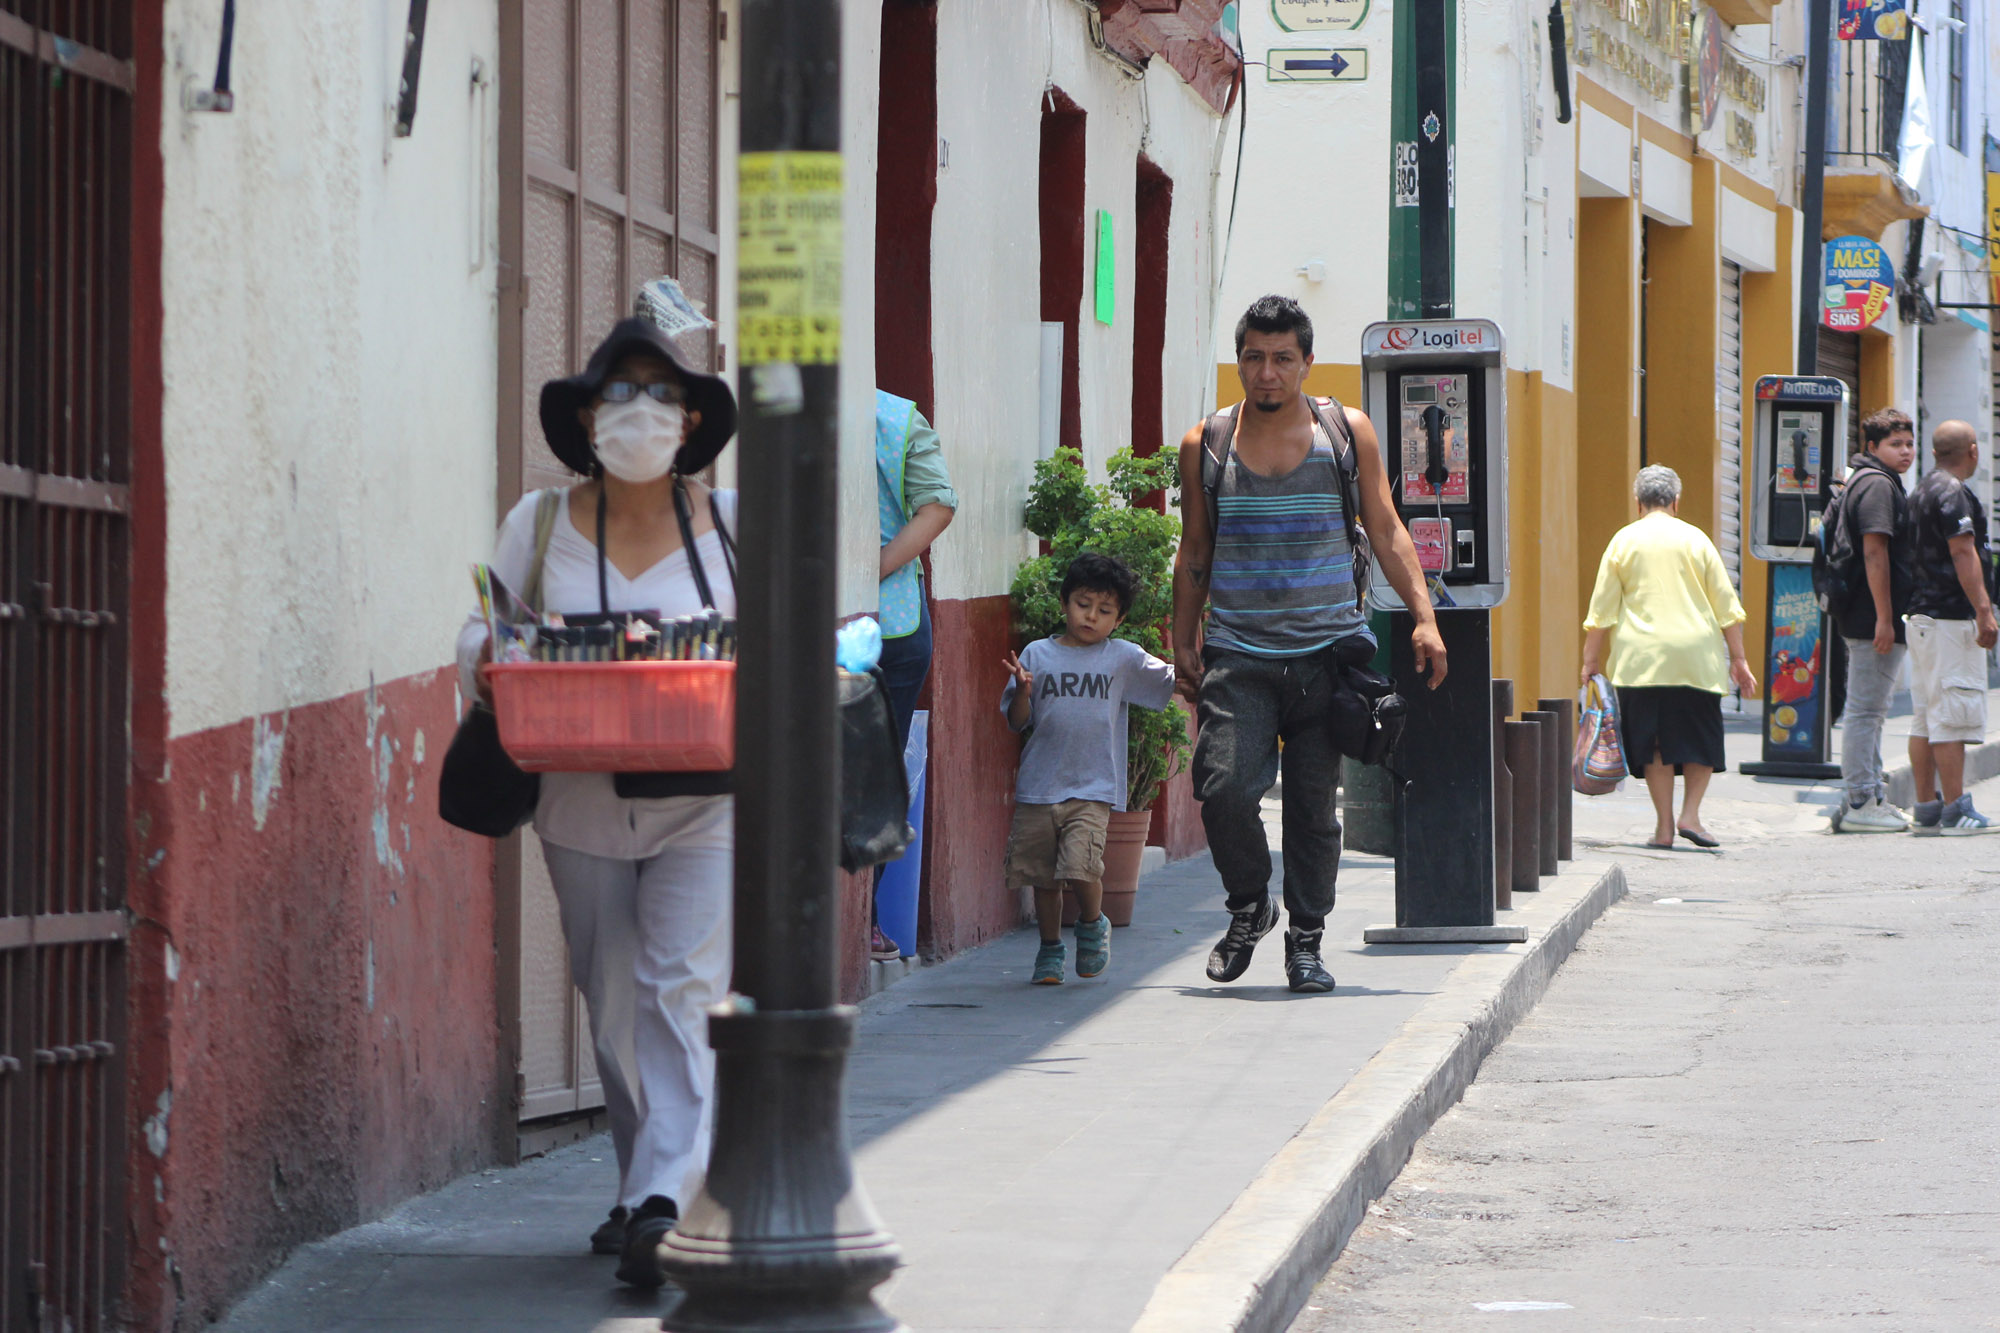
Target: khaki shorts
[
  {"x": 1052, "y": 843},
  {"x": 1947, "y": 680}
]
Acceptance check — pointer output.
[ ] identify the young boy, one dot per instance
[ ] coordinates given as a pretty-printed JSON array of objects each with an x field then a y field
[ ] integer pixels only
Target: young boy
[{"x": 1073, "y": 688}]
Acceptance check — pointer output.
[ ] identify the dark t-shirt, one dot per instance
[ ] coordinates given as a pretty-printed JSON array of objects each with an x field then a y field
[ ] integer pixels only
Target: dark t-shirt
[
  {"x": 1943, "y": 507},
  {"x": 1872, "y": 503}
]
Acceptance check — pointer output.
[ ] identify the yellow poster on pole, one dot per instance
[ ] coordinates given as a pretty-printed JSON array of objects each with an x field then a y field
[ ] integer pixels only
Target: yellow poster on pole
[{"x": 788, "y": 259}]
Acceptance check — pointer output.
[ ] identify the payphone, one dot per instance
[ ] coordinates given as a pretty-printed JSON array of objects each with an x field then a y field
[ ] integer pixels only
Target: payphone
[
  {"x": 1797, "y": 460},
  {"x": 1436, "y": 391},
  {"x": 1797, "y": 457}
]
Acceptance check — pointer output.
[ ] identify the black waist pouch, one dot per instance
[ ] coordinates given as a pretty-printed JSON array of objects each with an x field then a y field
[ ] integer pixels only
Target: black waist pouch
[{"x": 1366, "y": 716}]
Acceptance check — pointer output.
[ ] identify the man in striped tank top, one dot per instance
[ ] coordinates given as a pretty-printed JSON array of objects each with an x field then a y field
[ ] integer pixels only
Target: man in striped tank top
[{"x": 1267, "y": 549}]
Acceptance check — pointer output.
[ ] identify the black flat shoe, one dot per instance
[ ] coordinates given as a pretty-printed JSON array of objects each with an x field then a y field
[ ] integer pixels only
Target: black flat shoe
[{"x": 1699, "y": 839}]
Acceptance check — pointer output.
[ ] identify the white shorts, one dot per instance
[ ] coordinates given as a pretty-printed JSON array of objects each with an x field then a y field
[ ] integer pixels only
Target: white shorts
[{"x": 1947, "y": 680}]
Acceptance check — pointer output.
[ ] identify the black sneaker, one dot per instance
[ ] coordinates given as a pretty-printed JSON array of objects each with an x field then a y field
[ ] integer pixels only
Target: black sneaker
[
  {"x": 1303, "y": 969},
  {"x": 639, "y": 1262},
  {"x": 609, "y": 1238},
  {"x": 1231, "y": 954}
]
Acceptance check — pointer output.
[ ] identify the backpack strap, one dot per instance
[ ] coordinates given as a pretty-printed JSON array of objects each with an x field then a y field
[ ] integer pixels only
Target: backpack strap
[
  {"x": 547, "y": 506},
  {"x": 1332, "y": 418},
  {"x": 1216, "y": 433}
]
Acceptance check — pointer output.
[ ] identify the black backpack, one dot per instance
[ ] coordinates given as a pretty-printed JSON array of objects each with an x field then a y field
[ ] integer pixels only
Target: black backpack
[
  {"x": 1218, "y": 430},
  {"x": 1839, "y": 571}
]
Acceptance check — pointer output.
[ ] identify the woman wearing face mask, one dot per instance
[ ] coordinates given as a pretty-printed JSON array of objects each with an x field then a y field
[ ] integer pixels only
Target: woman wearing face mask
[{"x": 641, "y": 864}]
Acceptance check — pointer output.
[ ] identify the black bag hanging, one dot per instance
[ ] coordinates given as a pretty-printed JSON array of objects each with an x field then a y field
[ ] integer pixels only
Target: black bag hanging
[
  {"x": 480, "y": 787},
  {"x": 874, "y": 788},
  {"x": 1366, "y": 715}
]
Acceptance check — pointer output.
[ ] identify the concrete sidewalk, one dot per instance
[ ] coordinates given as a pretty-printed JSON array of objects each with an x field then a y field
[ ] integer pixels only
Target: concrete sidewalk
[{"x": 1049, "y": 1158}]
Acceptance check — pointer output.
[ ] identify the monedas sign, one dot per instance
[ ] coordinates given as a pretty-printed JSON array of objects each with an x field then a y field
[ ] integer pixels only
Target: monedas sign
[{"x": 1859, "y": 282}]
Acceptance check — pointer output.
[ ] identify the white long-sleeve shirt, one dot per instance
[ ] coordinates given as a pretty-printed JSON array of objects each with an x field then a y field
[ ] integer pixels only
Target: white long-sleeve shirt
[{"x": 581, "y": 811}]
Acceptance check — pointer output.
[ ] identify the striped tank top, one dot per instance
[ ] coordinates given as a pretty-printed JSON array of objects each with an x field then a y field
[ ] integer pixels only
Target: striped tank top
[{"x": 1282, "y": 582}]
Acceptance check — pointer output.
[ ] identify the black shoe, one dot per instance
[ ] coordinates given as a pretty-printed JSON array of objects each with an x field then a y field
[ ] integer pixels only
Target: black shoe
[
  {"x": 1303, "y": 969},
  {"x": 1231, "y": 954},
  {"x": 639, "y": 1262},
  {"x": 609, "y": 1238}
]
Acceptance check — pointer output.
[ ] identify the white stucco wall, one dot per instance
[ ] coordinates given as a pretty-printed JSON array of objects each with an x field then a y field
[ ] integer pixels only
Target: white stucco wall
[
  {"x": 994, "y": 64},
  {"x": 1314, "y": 186},
  {"x": 329, "y": 352},
  {"x": 860, "y": 91}
]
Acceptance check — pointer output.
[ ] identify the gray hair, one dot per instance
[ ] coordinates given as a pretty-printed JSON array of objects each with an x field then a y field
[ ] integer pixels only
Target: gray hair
[{"x": 1656, "y": 486}]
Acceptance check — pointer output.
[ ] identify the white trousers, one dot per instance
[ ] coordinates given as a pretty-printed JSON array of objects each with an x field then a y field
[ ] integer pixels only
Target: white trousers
[{"x": 649, "y": 947}]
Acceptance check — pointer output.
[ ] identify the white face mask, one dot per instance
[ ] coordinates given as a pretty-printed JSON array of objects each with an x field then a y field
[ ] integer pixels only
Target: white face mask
[{"x": 637, "y": 441}]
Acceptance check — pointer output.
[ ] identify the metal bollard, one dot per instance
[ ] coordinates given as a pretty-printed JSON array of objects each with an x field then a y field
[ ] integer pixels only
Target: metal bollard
[
  {"x": 1565, "y": 711},
  {"x": 1524, "y": 757},
  {"x": 1503, "y": 799},
  {"x": 1552, "y": 772}
]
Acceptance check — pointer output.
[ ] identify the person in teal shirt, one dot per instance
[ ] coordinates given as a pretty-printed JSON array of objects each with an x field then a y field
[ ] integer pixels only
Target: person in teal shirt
[{"x": 916, "y": 503}]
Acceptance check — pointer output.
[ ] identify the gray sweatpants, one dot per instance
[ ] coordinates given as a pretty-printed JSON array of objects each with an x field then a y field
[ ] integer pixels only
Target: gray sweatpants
[
  {"x": 1871, "y": 683},
  {"x": 1247, "y": 704}
]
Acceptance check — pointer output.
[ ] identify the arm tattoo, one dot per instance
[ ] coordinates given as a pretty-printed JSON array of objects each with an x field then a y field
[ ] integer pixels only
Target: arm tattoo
[{"x": 1200, "y": 576}]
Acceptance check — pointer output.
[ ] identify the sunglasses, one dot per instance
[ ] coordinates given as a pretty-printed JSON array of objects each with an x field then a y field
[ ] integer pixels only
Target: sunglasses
[{"x": 624, "y": 391}]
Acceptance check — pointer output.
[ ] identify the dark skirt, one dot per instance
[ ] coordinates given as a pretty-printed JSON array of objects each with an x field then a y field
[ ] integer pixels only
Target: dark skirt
[{"x": 1683, "y": 724}]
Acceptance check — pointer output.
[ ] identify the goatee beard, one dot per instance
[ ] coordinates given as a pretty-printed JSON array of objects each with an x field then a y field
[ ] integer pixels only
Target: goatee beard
[{"x": 1269, "y": 407}]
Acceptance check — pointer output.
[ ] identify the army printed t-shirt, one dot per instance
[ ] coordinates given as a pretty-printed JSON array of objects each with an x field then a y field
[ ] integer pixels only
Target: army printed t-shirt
[{"x": 1081, "y": 696}]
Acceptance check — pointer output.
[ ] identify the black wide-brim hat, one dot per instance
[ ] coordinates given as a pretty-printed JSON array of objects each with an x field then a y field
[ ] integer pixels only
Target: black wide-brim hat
[{"x": 707, "y": 394}]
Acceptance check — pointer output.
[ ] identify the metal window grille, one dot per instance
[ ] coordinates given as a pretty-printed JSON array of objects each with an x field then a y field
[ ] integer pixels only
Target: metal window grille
[
  {"x": 1866, "y": 114},
  {"x": 1955, "y": 44},
  {"x": 66, "y": 83}
]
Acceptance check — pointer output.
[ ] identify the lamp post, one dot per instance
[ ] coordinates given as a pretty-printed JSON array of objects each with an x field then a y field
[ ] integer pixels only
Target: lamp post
[{"x": 781, "y": 1235}]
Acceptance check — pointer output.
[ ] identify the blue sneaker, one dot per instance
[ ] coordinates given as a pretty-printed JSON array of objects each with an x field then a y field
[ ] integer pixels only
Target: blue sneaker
[
  {"x": 1049, "y": 965},
  {"x": 1093, "y": 946},
  {"x": 1960, "y": 820}
]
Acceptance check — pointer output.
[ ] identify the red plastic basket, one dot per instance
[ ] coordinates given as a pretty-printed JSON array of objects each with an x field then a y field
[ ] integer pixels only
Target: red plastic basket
[{"x": 616, "y": 717}]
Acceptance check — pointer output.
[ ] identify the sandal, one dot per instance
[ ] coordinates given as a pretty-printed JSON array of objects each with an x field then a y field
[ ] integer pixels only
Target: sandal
[{"x": 1699, "y": 839}]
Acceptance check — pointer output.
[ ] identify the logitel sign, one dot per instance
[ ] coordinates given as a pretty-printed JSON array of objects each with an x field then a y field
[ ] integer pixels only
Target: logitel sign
[
  {"x": 1859, "y": 282},
  {"x": 1427, "y": 338}
]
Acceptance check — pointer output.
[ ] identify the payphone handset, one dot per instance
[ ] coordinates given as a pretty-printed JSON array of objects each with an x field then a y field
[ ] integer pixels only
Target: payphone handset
[
  {"x": 1436, "y": 393},
  {"x": 1799, "y": 433}
]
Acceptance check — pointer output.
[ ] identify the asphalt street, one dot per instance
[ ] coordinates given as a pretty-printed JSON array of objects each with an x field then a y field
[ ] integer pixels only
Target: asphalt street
[{"x": 1760, "y": 1095}]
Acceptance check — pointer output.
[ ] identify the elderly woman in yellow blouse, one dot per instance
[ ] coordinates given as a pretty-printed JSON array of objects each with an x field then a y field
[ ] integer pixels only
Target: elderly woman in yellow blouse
[{"x": 1678, "y": 648}]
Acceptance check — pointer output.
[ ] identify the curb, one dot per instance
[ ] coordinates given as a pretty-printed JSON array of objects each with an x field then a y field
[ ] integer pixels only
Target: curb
[
  {"x": 1981, "y": 762},
  {"x": 1254, "y": 1267}
]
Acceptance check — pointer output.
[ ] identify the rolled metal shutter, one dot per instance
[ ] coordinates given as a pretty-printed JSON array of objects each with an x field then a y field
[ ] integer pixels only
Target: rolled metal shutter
[
  {"x": 1729, "y": 423},
  {"x": 1840, "y": 356}
]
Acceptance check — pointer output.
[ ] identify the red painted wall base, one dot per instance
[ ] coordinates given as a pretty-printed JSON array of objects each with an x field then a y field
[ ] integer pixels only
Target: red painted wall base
[{"x": 314, "y": 991}]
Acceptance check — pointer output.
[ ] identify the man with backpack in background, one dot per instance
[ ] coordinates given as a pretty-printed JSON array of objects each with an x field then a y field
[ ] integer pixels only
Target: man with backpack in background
[
  {"x": 1295, "y": 490},
  {"x": 1868, "y": 549},
  {"x": 1951, "y": 628}
]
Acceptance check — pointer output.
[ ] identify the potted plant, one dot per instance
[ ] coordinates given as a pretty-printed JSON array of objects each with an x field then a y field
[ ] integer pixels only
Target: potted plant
[{"x": 1071, "y": 515}]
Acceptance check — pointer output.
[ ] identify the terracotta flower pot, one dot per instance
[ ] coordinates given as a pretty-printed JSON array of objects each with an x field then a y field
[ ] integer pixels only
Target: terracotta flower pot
[{"x": 1124, "y": 844}]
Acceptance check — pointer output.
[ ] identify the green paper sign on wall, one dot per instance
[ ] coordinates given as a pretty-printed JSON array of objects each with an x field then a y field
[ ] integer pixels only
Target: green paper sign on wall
[{"x": 1106, "y": 288}]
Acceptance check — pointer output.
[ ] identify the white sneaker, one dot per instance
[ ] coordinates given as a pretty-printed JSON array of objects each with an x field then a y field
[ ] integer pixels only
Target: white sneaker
[{"x": 1878, "y": 816}]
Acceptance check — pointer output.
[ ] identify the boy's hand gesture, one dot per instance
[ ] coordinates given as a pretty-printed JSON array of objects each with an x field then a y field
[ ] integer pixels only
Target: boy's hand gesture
[
  {"x": 1021, "y": 708},
  {"x": 1023, "y": 678}
]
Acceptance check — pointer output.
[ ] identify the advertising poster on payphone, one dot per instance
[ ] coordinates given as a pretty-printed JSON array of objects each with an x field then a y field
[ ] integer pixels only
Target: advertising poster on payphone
[
  {"x": 1797, "y": 652},
  {"x": 1453, "y": 393},
  {"x": 1798, "y": 452}
]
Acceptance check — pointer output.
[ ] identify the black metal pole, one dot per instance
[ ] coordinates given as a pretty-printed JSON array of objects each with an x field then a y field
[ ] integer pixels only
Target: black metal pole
[
  {"x": 1812, "y": 192},
  {"x": 1430, "y": 29},
  {"x": 782, "y": 1236}
]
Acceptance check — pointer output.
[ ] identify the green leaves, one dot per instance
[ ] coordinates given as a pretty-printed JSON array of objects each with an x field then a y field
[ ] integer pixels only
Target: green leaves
[{"x": 1073, "y": 515}]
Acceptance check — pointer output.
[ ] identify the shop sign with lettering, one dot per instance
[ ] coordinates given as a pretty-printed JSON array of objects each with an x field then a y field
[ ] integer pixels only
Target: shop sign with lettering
[
  {"x": 1859, "y": 282},
  {"x": 1319, "y": 15},
  {"x": 1646, "y": 41}
]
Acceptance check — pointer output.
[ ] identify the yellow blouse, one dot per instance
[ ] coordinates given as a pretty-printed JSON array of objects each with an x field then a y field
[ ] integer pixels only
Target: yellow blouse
[{"x": 1662, "y": 585}]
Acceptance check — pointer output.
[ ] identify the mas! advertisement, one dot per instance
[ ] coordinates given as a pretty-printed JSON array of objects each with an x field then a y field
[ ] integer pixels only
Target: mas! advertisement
[{"x": 1859, "y": 282}]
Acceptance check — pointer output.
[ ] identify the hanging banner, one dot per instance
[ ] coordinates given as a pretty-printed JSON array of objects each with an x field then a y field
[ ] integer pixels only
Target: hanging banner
[
  {"x": 1859, "y": 282},
  {"x": 1993, "y": 214},
  {"x": 1874, "y": 20}
]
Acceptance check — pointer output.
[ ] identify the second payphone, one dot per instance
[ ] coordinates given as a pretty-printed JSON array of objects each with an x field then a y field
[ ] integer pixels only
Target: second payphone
[{"x": 1436, "y": 391}]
